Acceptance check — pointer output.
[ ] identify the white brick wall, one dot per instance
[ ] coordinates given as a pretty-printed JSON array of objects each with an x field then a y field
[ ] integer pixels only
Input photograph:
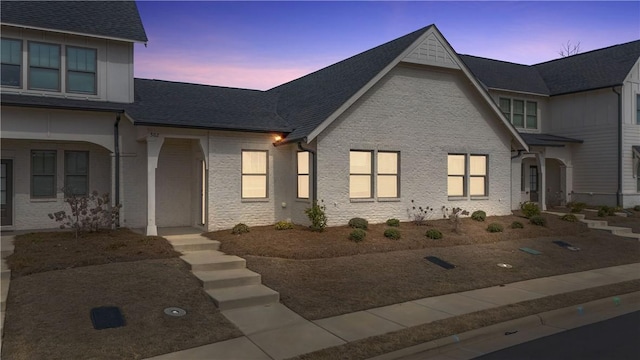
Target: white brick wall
[{"x": 425, "y": 114}]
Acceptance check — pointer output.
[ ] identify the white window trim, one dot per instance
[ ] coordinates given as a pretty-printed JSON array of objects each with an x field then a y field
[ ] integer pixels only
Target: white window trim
[{"x": 525, "y": 101}]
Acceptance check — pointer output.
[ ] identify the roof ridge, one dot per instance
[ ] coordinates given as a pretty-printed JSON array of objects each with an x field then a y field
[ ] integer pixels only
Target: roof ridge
[
  {"x": 496, "y": 60},
  {"x": 585, "y": 53},
  {"x": 199, "y": 84}
]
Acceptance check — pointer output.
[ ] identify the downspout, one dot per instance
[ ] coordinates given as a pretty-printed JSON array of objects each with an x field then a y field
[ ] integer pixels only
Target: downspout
[
  {"x": 314, "y": 168},
  {"x": 619, "y": 191},
  {"x": 116, "y": 148}
]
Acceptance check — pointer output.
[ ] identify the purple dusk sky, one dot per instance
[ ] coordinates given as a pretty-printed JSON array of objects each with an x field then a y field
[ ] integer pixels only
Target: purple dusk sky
[{"x": 259, "y": 45}]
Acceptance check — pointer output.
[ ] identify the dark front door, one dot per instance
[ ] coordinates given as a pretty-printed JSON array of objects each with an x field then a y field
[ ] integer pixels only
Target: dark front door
[
  {"x": 6, "y": 192},
  {"x": 533, "y": 184}
]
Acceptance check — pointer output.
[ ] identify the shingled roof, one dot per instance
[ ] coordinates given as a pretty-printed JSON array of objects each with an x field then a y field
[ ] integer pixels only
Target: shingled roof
[
  {"x": 498, "y": 74},
  {"x": 110, "y": 19}
]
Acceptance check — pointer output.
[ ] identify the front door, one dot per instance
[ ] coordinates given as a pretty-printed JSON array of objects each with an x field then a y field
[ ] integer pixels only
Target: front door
[
  {"x": 6, "y": 192},
  {"x": 533, "y": 184}
]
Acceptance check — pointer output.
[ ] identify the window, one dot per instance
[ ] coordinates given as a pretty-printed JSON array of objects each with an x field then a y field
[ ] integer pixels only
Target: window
[
  {"x": 387, "y": 179},
  {"x": 254, "y": 174},
  {"x": 11, "y": 62},
  {"x": 637, "y": 108},
  {"x": 76, "y": 172},
  {"x": 456, "y": 165},
  {"x": 81, "y": 70},
  {"x": 458, "y": 175},
  {"x": 44, "y": 66},
  {"x": 43, "y": 173},
  {"x": 360, "y": 174},
  {"x": 303, "y": 175},
  {"x": 521, "y": 113},
  {"x": 478, "y": 175}
]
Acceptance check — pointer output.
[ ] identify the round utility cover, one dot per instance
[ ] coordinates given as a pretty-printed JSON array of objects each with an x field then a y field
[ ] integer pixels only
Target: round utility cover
[
  {"x": 507, "y": 266},
  {"x": 175, "y": 311}
]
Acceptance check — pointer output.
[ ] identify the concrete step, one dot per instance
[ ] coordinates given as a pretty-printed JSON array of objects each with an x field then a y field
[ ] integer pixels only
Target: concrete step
[
  {"x": 218, "y": 279},
  {"x": 4, "y": 291},
  {"x": 243, "y": 296},
  {"x": 6, "y": 245},
  {"x": 630, "y": 235},
  {"x": 212, "y": 260},
  {"x": 594, "y": 223},
  {"x": 616, "y": 230},
  {"x": 192, "y": 243}
]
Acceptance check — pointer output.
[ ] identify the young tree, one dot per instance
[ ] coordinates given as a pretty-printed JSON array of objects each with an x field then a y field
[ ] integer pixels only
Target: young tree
[{"x": 569, "y": 49}]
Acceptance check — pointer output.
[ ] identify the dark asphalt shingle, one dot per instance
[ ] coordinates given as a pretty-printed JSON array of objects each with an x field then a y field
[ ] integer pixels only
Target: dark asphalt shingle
[
  {"x": 497, "y": 74},
  {"x": 116, "y": 19},
  {"x": 547, "y": 140}
]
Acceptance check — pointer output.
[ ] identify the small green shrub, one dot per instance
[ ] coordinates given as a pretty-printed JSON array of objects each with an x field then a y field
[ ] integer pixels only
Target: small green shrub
[
  {"x": 359, "y": 223},
  {"x": 240, "y": 229},
  {"x": 569, "y": 218},
  {"x": 494, "y": 227},
  {"x": 517, "y": 225},
  {"x": 357, "y": 235},
  {"x": 538, "y": 220},
  {"x": 392, "y": 233},
  {"x": 393, "y": 222},
  {"x": 284, "y": 225},
  {"x": 606, "y": 211},
  {"x": 636, "y": 208},
  {"x": 434, "y": 234},
  {"x": 317, "y": 216},
  {"x": 529, "y": 209},
  {"x": 576, "y": 207},
  {"x": 479, "y": 215}
]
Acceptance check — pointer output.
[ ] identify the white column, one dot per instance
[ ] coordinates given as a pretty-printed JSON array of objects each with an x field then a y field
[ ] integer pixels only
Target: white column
[
  {"x": 568, "y": 182},
  {"x": 154, "y": 144},
  {"x": 542, "y": 191}
]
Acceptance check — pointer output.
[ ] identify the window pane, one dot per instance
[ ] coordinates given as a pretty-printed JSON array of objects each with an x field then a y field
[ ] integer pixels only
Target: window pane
[
  {"x": 532, "y": 115},
  {"x": 360, "y": 162},
  {"x": 455, "y": 186},
  {"x": 303, "y": 186},
  {"x": 456, "y": 164},
  {"x": 387, "y": 163},
  {"x": 43, "y": 185},
  {"x": 11, "y": 51},
  {"x": 303, "y": 162},
  {"x": 532, "y": 122},
  {"x": 254, "y": 162},
  {"x": 518, "y": 107},
  {"x": 360, "y": 186},
  {"x": 44, "y": 79},
  {"x": 505, "y": 107},
  {"x": 10, "y": 75},
  {"x": 76, "y": 162},
  {"x": 478, "y": 165},
  {"x": 76, "y": 185},
  {"x": 638, "y": 111},
  {"x": 44, "y": 55},
  {"x": 387, "y": 186},
  {"x": 477, "y": 186},
  {"x": 81, "y": 82},
  {"x": 518, "y": 120},
  {"x": 254, "y": 186},
  {"x": 81, "y": 59}
]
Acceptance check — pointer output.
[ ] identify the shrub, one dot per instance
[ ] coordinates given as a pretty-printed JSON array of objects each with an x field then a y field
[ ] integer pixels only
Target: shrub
[
  {"x": 479, "y": 215},
  {"x": 606, "y": 211},
  {"x": 576, "y": 207},
  {"x": 419, "y": 214},
  {"x": 392, "y": 233},
  {"x": 359, "y": 223},
  {"x": 495, "y": 227},
  {"x": 517, "y": 225},
  {"x": 433, "y": 234},
  {"x": 393, "y": 222},
  {"x": 317, "y": 216},
  {"x": 89, "y": 213},
  {"x": 240, "y": 229},
  {"x": 529, "y": 209},
  {"x": 538, "y": 220},
  {"x": 284, "y": 225},
  {"x": 636, "y": 208},
  {"x": 357, "y": 235},
  {"x": 455, "y": 217},
  {"x": 569, "y": 218}
]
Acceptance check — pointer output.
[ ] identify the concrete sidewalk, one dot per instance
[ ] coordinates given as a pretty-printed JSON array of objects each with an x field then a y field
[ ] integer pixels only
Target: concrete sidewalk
[{"x": 276, "y": 332}]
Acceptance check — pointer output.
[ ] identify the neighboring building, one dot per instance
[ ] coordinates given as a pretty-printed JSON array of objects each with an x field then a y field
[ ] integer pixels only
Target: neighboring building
[{"x": 366, "y": 135}]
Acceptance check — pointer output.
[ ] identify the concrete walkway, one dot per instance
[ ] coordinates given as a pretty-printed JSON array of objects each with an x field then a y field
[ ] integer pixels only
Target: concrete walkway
[
  {"x": 275, "y": 332},
  {"x": 602, "y": 225}
]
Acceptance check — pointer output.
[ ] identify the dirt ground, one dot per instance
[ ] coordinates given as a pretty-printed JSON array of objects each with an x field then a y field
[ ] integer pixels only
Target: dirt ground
[
  {"x": 48, "y": 311},
  {"x": 324, "y": 274}
]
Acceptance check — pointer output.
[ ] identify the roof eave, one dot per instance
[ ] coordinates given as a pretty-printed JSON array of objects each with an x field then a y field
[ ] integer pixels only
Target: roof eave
[
  {"x": 590, "y": 89},
  {"x": 62, "y": 107},
  {"x": 518, "y": 91},
  {"x": 217, "y": 128},
  {"x": 140, "y": 41}
]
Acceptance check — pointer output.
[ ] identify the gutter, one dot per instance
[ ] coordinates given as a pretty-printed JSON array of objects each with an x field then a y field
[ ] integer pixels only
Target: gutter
[
  {"x": 619, "y": 190},
  {"x": 314, "y": 168},
  {"x": 116, "y": 150}
]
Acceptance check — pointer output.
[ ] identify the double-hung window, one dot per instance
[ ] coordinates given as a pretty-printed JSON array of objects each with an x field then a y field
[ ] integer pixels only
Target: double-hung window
[
  {"x": 11, "y": 67},
  {"x": 638, "y": 109},
  {"x": 43, "y": 173},
  {"x": 360, "y": 174},
  {"x": 365, "y": 176},
  {"x": 387, "y": 182},
  {"x": 458, "y": 175},
  {"x": 521, "y": 113},
  {"x": 44, "y": 66},
  {"x": 254, "y": 174},
  {"x": 81, "y": 70},
  {"x": 303, "y": 175},
  {"x": 76, "y": 172}
]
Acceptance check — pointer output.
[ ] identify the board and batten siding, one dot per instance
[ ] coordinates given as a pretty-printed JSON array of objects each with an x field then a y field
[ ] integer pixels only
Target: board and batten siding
[{"x": 424, "y": 113}]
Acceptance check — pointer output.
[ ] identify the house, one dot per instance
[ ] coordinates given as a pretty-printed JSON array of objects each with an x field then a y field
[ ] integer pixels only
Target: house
[{"x": 368, "y": 136}]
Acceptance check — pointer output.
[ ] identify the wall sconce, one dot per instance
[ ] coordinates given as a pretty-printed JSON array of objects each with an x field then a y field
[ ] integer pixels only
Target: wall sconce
[{"x": 277, "y": 138}]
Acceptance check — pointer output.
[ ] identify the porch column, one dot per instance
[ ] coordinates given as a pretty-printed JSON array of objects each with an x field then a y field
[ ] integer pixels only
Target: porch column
[
  {"x": 154, "y": 144},
  {"x": 567, "y": 182},
  {"x": 543, "y": 181}
]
